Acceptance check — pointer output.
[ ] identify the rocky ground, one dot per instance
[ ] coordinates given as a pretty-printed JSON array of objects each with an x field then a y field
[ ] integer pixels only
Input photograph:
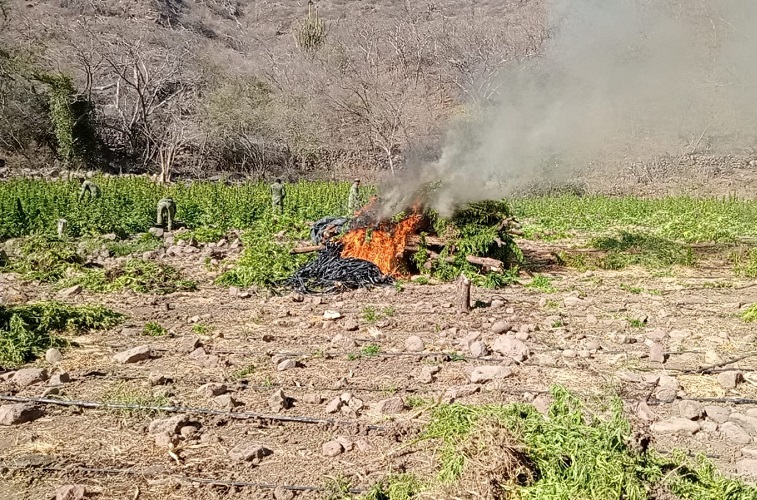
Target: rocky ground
[{"x": 289, "y": 391}]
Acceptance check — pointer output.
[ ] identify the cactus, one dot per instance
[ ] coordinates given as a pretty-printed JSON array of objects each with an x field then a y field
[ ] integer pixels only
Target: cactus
[{"x": 311, "y": 33}]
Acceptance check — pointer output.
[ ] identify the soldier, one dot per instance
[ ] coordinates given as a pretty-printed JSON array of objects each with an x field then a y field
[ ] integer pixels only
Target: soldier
[
  {"x": 169, "y": 207},
  {"x": 90, "y": 187},
  {"x": 353, "y": 204},
  {"x": 278, "y": 193}
]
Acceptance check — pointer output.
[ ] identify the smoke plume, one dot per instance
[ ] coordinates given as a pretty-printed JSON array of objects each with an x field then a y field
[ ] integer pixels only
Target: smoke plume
[{"x": 617, "y": 79}]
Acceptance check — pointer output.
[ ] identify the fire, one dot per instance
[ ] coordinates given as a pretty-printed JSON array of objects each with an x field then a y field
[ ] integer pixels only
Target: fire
[{"x": 383, "y": 245}]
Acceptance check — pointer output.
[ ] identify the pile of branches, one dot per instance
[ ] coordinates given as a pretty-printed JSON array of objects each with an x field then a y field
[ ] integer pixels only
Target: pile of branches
[{"x": 330, "y": 272}]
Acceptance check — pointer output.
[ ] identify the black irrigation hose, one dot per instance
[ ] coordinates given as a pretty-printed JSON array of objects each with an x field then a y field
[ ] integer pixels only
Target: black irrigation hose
[
  {"x": 199, "y": 411},
  {"x": 334, "y": 225},
  {"x": 203, "y": 480}
]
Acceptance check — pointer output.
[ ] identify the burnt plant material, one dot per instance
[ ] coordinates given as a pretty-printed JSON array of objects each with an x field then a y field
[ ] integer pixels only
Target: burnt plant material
[
  {"x": 329, "y": 272},
  {"x": 323, "y": 229}
]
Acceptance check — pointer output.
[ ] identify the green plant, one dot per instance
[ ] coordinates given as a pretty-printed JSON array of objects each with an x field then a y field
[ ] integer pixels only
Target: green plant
[
  {"x": 750, "y": 315},
  {"x": 395, "y": 487},
  {"x": 200, "y": 328},
  {"x": 154, "y": 329},
  {"x": 370, "y": 350},
  {"x": 541, "y": 283},
  {"x": 132, "y": 398},
  {"x": 388, "y": 312},
  {"x": 369, "y": 314},
  {"x": 310, "y": 35},
  {"x": 27, "y": 331},
  {"x": 139, "y": 275},
  {"x": 635, "y": 322},
  {"x": 244, "y": 372},
  {"x": 143, "y": 243}
]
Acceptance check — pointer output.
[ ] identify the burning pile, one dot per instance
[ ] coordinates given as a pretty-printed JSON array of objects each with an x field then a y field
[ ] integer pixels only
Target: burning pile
[{"x": 366, "y": 251}]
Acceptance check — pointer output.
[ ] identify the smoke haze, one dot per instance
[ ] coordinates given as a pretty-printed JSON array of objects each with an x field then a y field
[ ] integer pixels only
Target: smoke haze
[{"x": 617, "y": 79}]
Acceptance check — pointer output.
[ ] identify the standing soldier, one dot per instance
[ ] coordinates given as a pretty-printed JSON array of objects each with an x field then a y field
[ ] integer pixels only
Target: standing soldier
[
  {"x": 90, "y": 187},
  {"x": 278, "y": 193},
  {"x": 167, "y": 206},
  {"x": 353, "y": 204}
]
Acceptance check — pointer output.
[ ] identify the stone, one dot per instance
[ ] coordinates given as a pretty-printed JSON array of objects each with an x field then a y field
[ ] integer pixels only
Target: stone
[
  {"x": 511, "y": 347},
  {"x": 334, "y": 405},
  {"x": 749, "y": 452},
  {"x": 690, "y": 409},
  {"x": 666, "y": 394},
  {"x": 249, "y": 452},
  {"x": 281, "y": 493},
  {"x": 747, "y": 467},
  {"x": 644, "y": 412},
  {"x": 198, "y": 354},
  {"x": 169, "y": 426},
  {"x": 343, "y": 341},
  {"x": 234, "y": 291},
  {"x": 679, "y": 335},
  {"x": 157, "y": 379},
  {"x": 630, "y": 377},
  {"x": 279, "y": 401},
  {"x": 29, "y": 376},
  {"x": 211, "y": 390},
  {"x": 734, "y": 433},
  {"x": 156, "y": 231},
  {"x": 501, "y": 327},
  {"x": 70, "y": 291},
  {"x": 226, "y": 401},
  {"x": 53, "y": 356},
  {"x": 656, "y": 353},
  {"x": 460, "y": 391},
  {"x": 332, "y": 449},
  {"x": 569, "y": 353},
  {"x": 19, "y": 413},
  {"x": 133, "y": 355},
  {"x": 346, "y": 443},
  {"x": 190, "y": 345},
  {"x": 591, "y": 319},
  {"x": 486, "y": 373},
  {"x": 573, "y": 301},
  {"x": 350, "y": 325},
  {"x": 717, "y": 414},
  {"x": 712, "y": 358},
  {"x": 70, "y": 492},
  {"x": 329, "y": 314},
  {"x": 593, "y": 345},
  {"x": 656, "y": 335},
  {"x": 497, "y": 303},
  {"x": 523, "y": 336},
  {"x": 682, "y": 426},
  {"x": 390, "y": 406},
  {"x": 312, "y": 398},
  {"x": 729, "y": 379},
  {"x": 426, "y": 375},
  {"x": 59, "y": 379},
  {"x": 478, "y": 349},
  {"x": 746, "y": 422},
  {"x": 414, "y": 344},
  {"x": 286, "y": 364}
]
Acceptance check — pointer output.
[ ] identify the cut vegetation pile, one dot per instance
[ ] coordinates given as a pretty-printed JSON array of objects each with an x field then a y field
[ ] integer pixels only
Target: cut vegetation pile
[{"x": 27, "y": 331}]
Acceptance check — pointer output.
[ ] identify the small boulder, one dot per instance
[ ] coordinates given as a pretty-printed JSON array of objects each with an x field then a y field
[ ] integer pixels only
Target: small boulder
[
  {"x": 331, "y": 315},
  {"x": 247, "y": 452},
  {"x": 70, "y": 292},
  {"x": 426, "y": 375},
  {"x": 170, "y": 425},
  {"x": 511, "y": 347},
  {"x": 133, "y": 355},
  {"x": 414, "y": 344},
  {"x": 478, "y": 349},
  {"x": 747, "y": 467},
  {"x": 675, "y": 426},
  {"x": 282, "y": 493},
  {"x": 29, "y": 376},
  {"x": 211, "y": 390},
  {"x": 656, "y": 353},
  {"x": 486, "y": 373},
  {"x": 644, "y": 412},
  {"x": 279, "y": 401},
  {"x": 70, "y": 492},
  {"x": 501, "y": 327},
  {"x": 20, "y": 413},
  {"x": 312, "y": 398},
  {"x": 460, "y": 391},
  {"x": 729, "y": 379},
  {"x": 53, "y": 356},
  {"x": 717, "y": 414},
  {"x": 286, "y": 364},
  {"x": 59, "y": 379},
  {"x": 350, "y": 325},
  {"x": 690, "y": 409},
  {"x": 734, "y": 433},
  {"x": 746, "y": 422},
  {"x": 226, "y": 401},
  {"x": 334, "y": 405},
  {"x": 332, "y": 449},
  {"x": 390, "y": 406}
]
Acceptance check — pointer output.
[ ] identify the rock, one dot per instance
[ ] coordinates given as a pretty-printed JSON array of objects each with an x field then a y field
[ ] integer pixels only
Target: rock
[
  {"x": 226, "y": 401},
  {"x": 730, "y": 379},
  {"x": 414, "y": 344},
  {"x": 511, "y": 347},
  {"x": 29, "y": 376},
  {"x": 487, "y": 373},
  {"x": 70, "y": 292},
  {"x": 234, "y": 291},
  {"x": 350, "y": 325},
  {"x": 675, "y": 426},
  {"x": 712, "y": 358},
  {"x": 690, "y": 409},
  {"x": 286, "y": 364},
  {"x": 522, "y": 336},
  {"x": 460, "y": 391},
  {"x": 426, "y": 375},
  {"x": 70, "y": 492},
  {"x": 666, "y": 394},
  {"x": 211, "y": 390},
  {"x": 497, "y": 303},
  {"x": 312, "y": 398},
  {"x": 157, "y": 379},
  {"x": 133, "y": 355},
  {"x": 249, "y": 452},
  {"x": 53, "y": 356},
  {"x": 656, "y": 335},
  {"x": 169, "y": 426},
  {"x": 746, "y": 422},
  {"x": 644, "y": 412},
  {"x": 573, "y": 301},
  {"x": 717, "y": 414},
  {"x": 156, "y": 231},
  {"x": 332, "y": 449},
  {"x": 191, "y": 345},
  {"x": 630, "y": 377},
  {"x": 501, "y": 327},
  {"x": 593, "y": 346},
  {"x": 747, "y": 467},
  {"x": 735, "y": 433},
  {"x": 331, "y": 315},
  {"x": 656, "y": 353},
  {"x": 59, "y": 379},
  {"x": 19, "y": 413},
  {"x": 343, "y": 341},
  {"x": 279, "y": 401},
  {"x": 281, "y": 493},
  {"x": 591, "y": 319},
  {"x": 390, "y": 406},
  {"x": 198, "y": 354},
  {"x": 569, "y": 353},
  {"x": 346, "y": 443},
  {"x": 478, "y": 349},
  {"x": 334, "y": 405}
]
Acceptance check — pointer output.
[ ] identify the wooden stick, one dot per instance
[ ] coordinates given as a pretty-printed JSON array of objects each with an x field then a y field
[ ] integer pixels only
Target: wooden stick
[
  {"x": 486, "y": 262},
  {"x": 313, "y": 248},
  {"x": 463, "y": 288}
]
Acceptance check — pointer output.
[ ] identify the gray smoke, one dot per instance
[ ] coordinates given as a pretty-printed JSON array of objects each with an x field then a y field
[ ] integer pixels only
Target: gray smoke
[{"x": 617, "y": 79}]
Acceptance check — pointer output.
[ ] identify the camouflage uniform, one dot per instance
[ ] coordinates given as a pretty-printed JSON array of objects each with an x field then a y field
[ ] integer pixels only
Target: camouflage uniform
[
  {"x": 91, "y": 187},
  {"x": 353, "y": 204},
  {"x": 278, "y": 193},
  {"x": 168, "y": 206}
]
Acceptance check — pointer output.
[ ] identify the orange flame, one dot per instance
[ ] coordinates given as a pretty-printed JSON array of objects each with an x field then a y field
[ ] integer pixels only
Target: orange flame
[{"x": 384, "y": 246}]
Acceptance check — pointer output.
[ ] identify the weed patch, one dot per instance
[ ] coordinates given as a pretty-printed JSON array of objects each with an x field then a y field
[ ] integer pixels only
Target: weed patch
[
  {"x": 127, "y": 395},
  {"x": 542, "y": 284},
  {"x": 154, "y": 329},
  {"x": 139, "y": 275},
  {"x": 27, "y": 331},
  {"x": 750, "y": 315},
  {"x": 644, "y": 250}
]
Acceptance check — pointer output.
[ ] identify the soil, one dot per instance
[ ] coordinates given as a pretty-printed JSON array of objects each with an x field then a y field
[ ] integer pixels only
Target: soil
[{"x": 114, "y": 455}]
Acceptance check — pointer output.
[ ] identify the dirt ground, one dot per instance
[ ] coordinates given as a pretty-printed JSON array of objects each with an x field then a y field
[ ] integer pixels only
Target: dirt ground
[{"x": 591, "y": 335}]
